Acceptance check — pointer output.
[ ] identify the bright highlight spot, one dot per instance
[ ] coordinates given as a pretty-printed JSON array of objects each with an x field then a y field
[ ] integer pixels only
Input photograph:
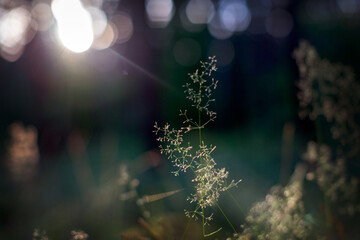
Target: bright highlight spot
[
  {"x": 74, "y": 25},
  {"x": 159, "y": 12},
  {"x": 13, "y": 27},
  {"x": 235, "y": 15}
]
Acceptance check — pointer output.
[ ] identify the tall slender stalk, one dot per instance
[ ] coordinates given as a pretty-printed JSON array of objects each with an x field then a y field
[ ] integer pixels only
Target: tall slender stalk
[{"x": 209, "y": 180}]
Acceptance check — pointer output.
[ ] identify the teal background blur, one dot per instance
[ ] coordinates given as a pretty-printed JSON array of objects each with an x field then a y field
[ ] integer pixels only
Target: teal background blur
[{"x": 109, "y": 100}]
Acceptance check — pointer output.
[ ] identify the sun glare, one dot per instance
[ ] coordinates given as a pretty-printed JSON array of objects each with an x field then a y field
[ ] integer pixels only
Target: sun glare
[{"x": 74, "y": 25}]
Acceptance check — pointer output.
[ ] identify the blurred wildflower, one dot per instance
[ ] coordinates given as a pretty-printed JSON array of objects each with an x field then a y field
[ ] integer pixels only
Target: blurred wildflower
[
  {"x": 128, "y": 185},
  {"x": 39, "y": 235},
  {"x": 280, "y": 216},
  {"x": 124, "y": 175},
  {"x": 333, "y": 179},
  {"x": 78, "y": 235},
  {"x": 329, "y": 90},
  {"x": 128, "y": 189},
  {"x": 75, "y": 235},
  {"x": 209, "y": 180},
  {"x": 23, "y": 153}
]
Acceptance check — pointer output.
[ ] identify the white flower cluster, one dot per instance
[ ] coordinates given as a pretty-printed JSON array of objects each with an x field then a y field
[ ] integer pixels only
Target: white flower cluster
[
  {"x": 280, "y": 216},
  {"x": 210, "y": 181},
  {"x": 199, "y": 90},
  {"x": 171, "y": 144}
]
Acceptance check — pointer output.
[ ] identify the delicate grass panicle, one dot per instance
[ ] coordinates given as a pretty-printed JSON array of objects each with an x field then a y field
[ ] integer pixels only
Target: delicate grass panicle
[{"x": 209, "y": 180}]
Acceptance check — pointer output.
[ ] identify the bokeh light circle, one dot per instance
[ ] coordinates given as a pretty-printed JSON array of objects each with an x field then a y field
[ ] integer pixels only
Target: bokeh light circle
[
  {"x": 159, "y": 12},
  {"x": 124, "y": 27},
  {"x": 74, "y": 25},
  {"x": 107, "y": 38},
  {"x": 234, "y": 15},
  {"x": 200, "y": 11}
]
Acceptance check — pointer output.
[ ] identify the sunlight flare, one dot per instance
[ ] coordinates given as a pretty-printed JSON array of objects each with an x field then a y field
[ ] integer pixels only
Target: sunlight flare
[{"x": 74, "y": 25}]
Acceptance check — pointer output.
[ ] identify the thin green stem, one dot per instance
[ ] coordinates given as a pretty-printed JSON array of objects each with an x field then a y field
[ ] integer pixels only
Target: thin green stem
[
  {"x": 199, "y": 129},
  {"x": 227, "y": 219},
  {"x": 202, "y": 208},
  {"x": 235, "y": 201},
  {"x": 212, "y": 233},
  {"x": 186, "y": 229},
  {"x": 203, "y": 220}
]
